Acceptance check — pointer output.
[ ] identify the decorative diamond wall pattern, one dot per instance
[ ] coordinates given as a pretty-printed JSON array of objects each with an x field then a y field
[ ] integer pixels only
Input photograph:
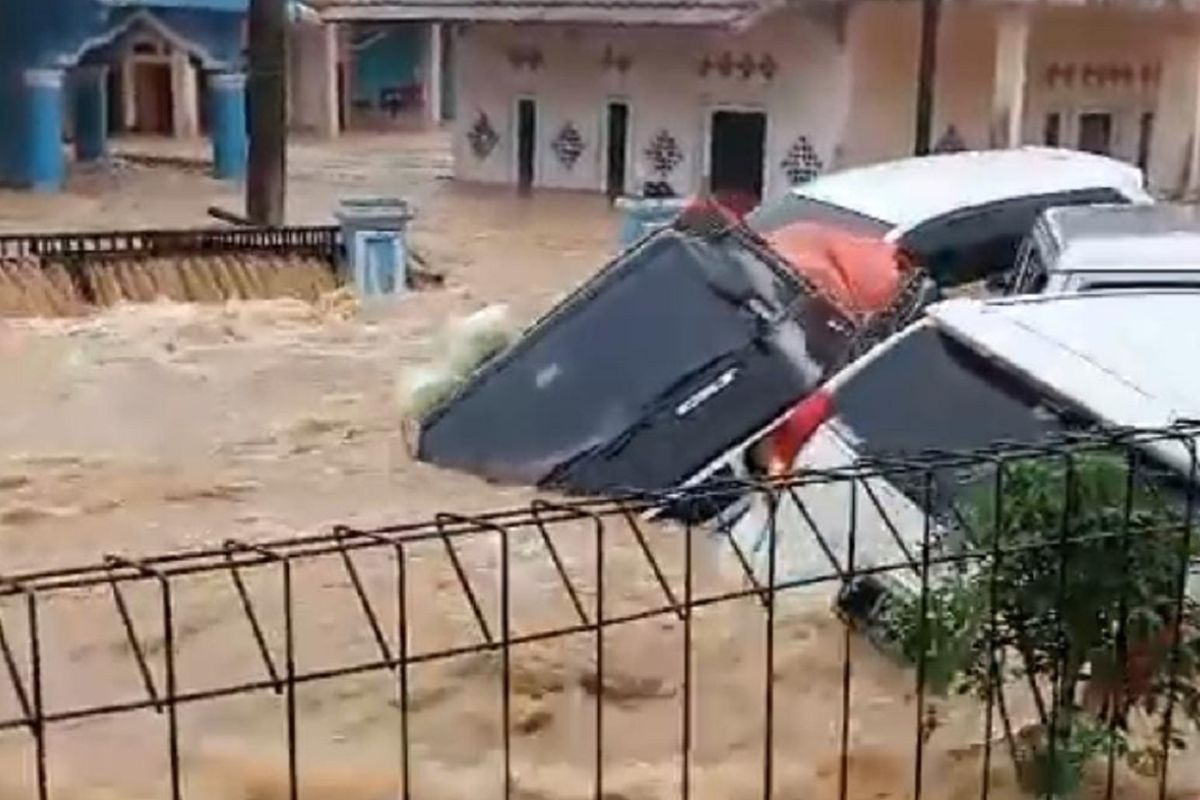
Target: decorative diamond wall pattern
[
  {"x": 663, "y": 153},
  {"x": 568, "y": 145},
  {"x": 482, "y": 137},
  {"x": 801, "y": 163}
]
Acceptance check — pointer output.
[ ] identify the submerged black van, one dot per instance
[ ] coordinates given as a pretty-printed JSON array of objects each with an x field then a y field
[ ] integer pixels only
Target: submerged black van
[{"x": 680, "y": 348}]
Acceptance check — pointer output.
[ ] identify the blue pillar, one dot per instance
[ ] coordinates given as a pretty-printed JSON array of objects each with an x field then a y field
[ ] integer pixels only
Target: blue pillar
[
  {"x": 91, "y": 113},
  {"x": 43, "y": 154},
  {"x": 228, "y": 123}
]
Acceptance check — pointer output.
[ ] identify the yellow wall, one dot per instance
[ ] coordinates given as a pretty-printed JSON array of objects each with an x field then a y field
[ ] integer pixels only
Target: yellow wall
[
  {"x": 884, "y": 39},
  {"x": 1093, "y": 36}
]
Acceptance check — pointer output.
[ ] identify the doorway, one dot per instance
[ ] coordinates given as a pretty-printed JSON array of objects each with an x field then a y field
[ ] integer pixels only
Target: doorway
[
  {"x": 1145, "y": 138},
  {"x": 203, "y": 101},
  {"x": 737, "y": 152},
  {"x": 342, "y": 94},
  {"x": 526, "y": 142},
  {"x": 447, "y": 68},
  {"x": 1096, "y": 132},
  {"x": 618, "y": 148},
  {"x": 153, "y": 98},
  {"x": 115, "y": 101}
]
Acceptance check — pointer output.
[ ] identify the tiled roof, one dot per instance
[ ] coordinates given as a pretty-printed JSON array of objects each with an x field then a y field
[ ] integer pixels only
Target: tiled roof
[{"x": 611, "y": 12}]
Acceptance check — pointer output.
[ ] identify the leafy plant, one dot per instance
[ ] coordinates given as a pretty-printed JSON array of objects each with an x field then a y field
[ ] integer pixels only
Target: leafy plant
[{"x": 1072, "y": 591}]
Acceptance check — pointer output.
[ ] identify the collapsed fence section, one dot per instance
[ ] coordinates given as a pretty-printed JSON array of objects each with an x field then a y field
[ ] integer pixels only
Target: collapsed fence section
[
  {"x": 71, "y": 273},
  {"x": 813, "y": 641},
  {"x": 318, "y": 240}
]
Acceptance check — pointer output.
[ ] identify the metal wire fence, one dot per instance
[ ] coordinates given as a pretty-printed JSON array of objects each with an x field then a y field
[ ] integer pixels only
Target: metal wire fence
[{"x": 1049, "y": 581}]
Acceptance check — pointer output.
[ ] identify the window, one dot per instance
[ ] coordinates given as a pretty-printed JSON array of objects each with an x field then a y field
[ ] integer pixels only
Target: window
[
  {"x": 974, "y": 243},
  {"x": 1145, "y": 137},
  {"x": 1030, "y": 271},
  {"x": 793, "y": 208},
  {"x": 1159, "y": 285},
  {"x": 928, "y": 392},
  {"x": 1052, "y": 132},
  {"x": 913, "y": 397}
]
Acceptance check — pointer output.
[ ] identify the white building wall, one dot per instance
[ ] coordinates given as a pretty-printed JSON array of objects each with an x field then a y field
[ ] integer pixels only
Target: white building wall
[
  {"x": 885, "y": 41},
  {"x": 1114, "y": 38},
  {"x": 808, "y": 95},
  {"x": 312, "y": 80},
  {"x": 846, "y": 81}
]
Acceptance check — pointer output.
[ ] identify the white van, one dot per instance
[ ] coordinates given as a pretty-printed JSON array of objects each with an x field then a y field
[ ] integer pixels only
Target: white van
[
  {"x": 1089, "y": 248},
  {"x": 962, "y": 216},
  {"x": 971, "y": 374}
]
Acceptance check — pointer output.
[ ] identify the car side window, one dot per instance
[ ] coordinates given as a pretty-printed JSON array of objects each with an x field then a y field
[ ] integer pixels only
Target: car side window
[
  {"x": 971, "y": 244},
  {"x": 1030, "y": 272},
  {"x": 1100, "y": 284}
]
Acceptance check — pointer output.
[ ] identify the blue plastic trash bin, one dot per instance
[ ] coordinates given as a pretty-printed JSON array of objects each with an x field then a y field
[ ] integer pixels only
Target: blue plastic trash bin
[
  {"x": 375, "y": 232},
  {"x": 640, "y": 215}
]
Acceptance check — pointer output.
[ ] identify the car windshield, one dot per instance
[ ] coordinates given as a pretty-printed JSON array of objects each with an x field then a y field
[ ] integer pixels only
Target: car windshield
[
  {"x": 928, "y": 393},
  {"x": 793, "y": 208}
]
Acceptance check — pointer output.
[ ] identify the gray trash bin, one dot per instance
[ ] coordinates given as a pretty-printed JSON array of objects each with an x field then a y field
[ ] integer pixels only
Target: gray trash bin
[
  {"x": 375, "y": 233},
  {"x": 640, "y": 215}
]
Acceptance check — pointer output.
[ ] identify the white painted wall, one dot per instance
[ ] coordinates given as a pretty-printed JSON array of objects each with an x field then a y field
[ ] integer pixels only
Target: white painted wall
[
  {"x": 808, "y": 95},
  {"x": 312, "y": 84},
  {"x": 185, "y": 110},
  {"x": 1093, "y": 36},
  {"x": 849, "y": 85},
  {"x": 884, "y": 39},
  {"x": 1174, "y": 153}
]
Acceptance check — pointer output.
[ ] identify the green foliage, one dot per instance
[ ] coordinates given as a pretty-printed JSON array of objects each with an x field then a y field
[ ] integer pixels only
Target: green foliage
[
  {"x": 1084, "y": 586},
  {"x": 1058, "y": 773}
]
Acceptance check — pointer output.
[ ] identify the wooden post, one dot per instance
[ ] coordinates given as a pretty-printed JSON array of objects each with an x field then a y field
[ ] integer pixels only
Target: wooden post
[
  {"x": 267, "y": 111},
  {"x": 931, "y": 12}
]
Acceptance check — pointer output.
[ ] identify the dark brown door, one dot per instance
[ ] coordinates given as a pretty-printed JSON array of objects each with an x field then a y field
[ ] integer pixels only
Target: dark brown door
[
  {"x": 737, "y": 157},
  {"x": 618, "y": 144},
  {"x": 526, "y": 143},
  {"x": 1095, "y": 133},
  {"x": 153, "y": 86}
]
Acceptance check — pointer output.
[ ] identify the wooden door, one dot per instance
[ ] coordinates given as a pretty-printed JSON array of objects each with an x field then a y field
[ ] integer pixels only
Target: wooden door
[{"x": 152, "y": 84}]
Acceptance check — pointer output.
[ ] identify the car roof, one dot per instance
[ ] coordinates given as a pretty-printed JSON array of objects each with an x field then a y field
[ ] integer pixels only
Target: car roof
[
  {"x": 1133, "y": 238},
  {"x": 1132, "y": 370},
  {"x": 909, "y": 191}
]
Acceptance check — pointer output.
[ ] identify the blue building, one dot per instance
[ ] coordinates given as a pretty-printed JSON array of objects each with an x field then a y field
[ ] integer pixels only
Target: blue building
[{"x": 65, "y": 71}]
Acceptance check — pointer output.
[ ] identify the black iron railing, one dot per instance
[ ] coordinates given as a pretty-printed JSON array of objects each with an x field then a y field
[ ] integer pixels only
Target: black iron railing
[
  {"x": 839, "y": 535},
  {"x": 323, "y": 241}
]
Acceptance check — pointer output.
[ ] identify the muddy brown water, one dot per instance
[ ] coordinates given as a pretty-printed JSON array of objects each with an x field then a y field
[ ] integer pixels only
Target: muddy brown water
[
  {"x": 152, "y": 426},
  {"x": 32, "y": 288}
]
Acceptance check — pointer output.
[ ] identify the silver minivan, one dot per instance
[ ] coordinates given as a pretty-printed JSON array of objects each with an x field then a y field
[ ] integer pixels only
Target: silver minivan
[{"x": 1088, "y": 248}]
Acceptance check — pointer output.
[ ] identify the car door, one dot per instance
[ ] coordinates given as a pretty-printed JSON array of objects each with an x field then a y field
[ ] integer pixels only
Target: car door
[{"x": 826, "y": 528}]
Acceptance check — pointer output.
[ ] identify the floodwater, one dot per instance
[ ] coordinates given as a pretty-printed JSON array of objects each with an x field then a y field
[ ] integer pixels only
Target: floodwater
[{"x": 148, "y": 428}]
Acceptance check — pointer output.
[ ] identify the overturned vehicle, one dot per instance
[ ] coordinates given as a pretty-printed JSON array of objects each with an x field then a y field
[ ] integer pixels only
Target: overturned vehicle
[{"x": 695, "y": 338}]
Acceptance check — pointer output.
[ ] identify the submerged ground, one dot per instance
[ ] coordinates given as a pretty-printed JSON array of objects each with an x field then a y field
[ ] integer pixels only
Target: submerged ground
[{"x": 152, "y": 427}]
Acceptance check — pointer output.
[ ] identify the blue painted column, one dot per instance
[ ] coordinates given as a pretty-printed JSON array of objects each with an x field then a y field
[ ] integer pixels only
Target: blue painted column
[
  {"x": 91, "y": 113},
  {"x": 44, "y": 166},
  {"x": 227, "y": 91}
]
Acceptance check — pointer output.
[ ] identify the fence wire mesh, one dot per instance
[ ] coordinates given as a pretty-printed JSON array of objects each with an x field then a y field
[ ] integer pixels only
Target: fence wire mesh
[{"x": 1010, "y": 622}]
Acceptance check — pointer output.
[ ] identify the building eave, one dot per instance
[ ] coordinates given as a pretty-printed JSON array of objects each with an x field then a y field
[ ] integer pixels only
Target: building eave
[{"x": 550, "y": 12}]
